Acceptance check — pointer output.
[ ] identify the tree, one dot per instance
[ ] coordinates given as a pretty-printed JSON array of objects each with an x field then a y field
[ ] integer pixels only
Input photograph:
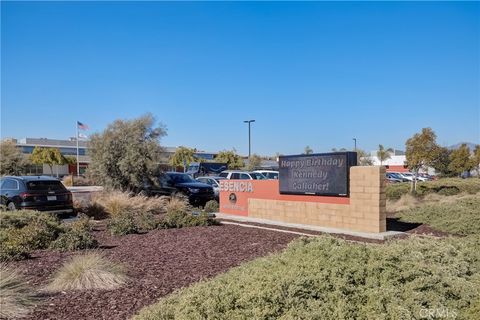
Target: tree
[
  {"x": 338, "y": 150},
  {"x": 307, "y": 150},
  {"x": 126, "y": 153},
  {"x": 254, "y": 162},
  {"x": 182, "y": 156},
  {"x": 384, "y": 154},
  {"x": 421, "y": 151},
  {"x": 460, "y": 160},
  {"x": 441, "y": 161},
  {"x": 363, "y": 158},
  {"x": 70, "y": 160},
  {"x": 48, "y": 156},
  {"x": 231, "y": 158},
  {"x": 12, "y": 161},
  {"x": 476, "y": 159}
]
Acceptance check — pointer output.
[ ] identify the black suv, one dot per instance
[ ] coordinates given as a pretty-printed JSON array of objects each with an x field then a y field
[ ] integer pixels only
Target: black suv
[
  {"x": 173, "y": 182},
  {"x": 35, "y": 193}
]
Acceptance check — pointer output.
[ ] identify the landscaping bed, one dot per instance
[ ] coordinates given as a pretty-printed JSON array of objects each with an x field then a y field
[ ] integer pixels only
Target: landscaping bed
[{"x": 157, "y": 263}]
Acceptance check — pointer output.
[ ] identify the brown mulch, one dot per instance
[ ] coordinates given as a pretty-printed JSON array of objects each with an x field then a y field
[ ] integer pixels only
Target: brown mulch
[{"x": 157, "y": 262}]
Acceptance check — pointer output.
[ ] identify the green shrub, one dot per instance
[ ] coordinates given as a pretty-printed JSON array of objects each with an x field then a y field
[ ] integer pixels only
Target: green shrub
[
  {"x": 17, "y": 243},
  {"x": 211, "y": 206},
  {"x": 12, "y": 247},
  {"x": 20, "y": 218},
  {"x": 122, "y": 224},
  {"x": 145, "y": 222},
  {"x": 182, "y": 219},
  {"x": 449, "y": 191},
  {"x": 78, "y": 236},
  {"x": 328, "y": 278},
  {"x": 445, "y": 186},
  {"x": 461, "y": 216},
  {"x": 397, "y": 190},
  {"x": 180, "y": 214}
]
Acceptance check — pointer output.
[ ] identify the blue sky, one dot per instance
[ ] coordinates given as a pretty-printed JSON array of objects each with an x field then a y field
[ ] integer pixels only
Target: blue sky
[{"x": 313, "y": 74}]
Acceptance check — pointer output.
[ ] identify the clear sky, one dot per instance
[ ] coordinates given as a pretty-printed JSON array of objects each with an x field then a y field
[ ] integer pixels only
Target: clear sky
[{"x": 313, "y": 74}]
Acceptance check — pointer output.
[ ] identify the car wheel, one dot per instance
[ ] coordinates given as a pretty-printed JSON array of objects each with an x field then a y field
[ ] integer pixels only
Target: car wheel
[{"x": 11, "y": 206}]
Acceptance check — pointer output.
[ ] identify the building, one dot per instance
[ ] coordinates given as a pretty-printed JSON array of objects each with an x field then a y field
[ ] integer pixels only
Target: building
[
  {"x": 69, "y": 148},
  {"x": 66, "y": 147},
  {"x": 396, "y": 163}
]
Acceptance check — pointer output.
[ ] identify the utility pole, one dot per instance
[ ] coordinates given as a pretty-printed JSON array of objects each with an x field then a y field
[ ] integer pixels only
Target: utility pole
[
  {"x": 355, "y": 144},
  {"x": 249, "y": 137}
]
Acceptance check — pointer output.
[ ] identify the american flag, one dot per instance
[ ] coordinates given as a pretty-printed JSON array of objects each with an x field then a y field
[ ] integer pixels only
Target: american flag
[{"x": 82, "y": 126}]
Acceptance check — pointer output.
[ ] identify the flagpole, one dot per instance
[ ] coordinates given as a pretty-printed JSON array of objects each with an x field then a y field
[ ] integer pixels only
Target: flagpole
[{"x": 78, "y": 163}]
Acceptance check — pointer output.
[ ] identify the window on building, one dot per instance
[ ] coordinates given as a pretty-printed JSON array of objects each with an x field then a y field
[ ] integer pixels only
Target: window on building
[{"x": 34, "y": 170}]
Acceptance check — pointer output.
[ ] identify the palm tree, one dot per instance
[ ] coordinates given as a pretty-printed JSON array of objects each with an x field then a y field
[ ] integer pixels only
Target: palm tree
[{"x": 383, "y": 154}]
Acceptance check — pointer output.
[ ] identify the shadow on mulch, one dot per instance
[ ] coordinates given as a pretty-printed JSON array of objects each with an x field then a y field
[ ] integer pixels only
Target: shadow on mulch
[
  {"x": 106, "y": 247},
  {"x": 394, "y": 224}
]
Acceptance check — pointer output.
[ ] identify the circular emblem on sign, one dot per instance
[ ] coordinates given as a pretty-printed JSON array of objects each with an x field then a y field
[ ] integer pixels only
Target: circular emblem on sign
[{"x": 233, "y": 198}]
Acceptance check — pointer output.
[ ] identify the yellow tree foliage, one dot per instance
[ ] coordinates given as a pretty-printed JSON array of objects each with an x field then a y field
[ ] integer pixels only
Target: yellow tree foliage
[{"x": 48, "y": 156}]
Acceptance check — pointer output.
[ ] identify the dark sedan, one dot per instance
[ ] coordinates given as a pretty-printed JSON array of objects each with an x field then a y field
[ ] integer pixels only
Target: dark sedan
[
  {"x": 198, "y": 193},
  {"x": 35, "y": 193},
  {"x": 173, "y": 182}
]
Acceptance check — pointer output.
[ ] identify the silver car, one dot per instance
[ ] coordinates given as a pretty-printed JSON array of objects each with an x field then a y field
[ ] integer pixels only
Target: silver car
[{"x": 212, "y": 181}]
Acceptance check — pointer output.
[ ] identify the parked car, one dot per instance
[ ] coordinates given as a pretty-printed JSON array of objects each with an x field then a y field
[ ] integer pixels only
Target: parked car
[
  {"x": 170, "y": 183},
  {"x": 269, "y": 174},
  {"x": 394, "y": 177},
  {"x": 36, "y": 193},
  {"x": 241, "y": 175},
  {"x": 402, "y": 176},
  {"x": 390, "y": 178},
  {"x": 214, "y": 182},
  {"x": 409, "y": 176}
]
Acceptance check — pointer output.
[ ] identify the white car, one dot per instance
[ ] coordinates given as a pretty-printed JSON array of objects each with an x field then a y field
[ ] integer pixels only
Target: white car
[
  {"x": 241, "y": 175},
  {"x": 212, "y": 181},
  {"x": 269, "y": 174},
  {"x": 410, "y": 176}
]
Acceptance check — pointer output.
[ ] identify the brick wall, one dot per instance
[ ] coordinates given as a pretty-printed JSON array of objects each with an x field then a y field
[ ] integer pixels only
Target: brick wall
[{"x": 365, "y": 213}]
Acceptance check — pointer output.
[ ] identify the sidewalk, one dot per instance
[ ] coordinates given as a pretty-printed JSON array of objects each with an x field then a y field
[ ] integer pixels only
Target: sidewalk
[{"x": 367, "y": 235}]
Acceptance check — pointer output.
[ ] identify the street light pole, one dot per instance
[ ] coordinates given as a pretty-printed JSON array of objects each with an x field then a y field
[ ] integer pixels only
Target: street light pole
[
  {"x": 249, "y": 137},
  {"x": 355, "y": 144}
]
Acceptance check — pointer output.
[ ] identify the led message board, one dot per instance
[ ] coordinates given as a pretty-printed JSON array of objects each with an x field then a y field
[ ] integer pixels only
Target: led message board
[{"x": 323, "y": 174}]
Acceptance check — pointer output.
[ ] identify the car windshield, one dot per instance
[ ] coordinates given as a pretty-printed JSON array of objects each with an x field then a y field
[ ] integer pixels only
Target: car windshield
[
  {"x": 45, "y": 185},
  {"x": 181, "y": 178},
  {"x": 257, "y": 176}
]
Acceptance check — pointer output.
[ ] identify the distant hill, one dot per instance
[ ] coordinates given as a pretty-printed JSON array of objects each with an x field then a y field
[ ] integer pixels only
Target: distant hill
[{"x": 456, "y": 146}]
